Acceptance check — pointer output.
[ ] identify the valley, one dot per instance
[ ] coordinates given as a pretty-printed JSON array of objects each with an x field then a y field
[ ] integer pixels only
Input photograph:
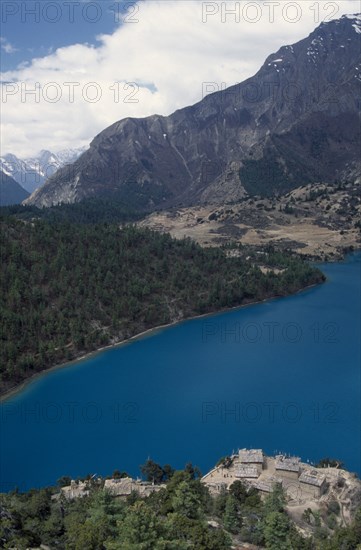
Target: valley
[{"x": 187, "y": 283}]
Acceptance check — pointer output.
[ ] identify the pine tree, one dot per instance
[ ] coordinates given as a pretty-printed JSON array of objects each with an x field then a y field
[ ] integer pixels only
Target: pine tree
[
  {"x": 231, "y": 519},
  {"x": 276, "y": 531}
]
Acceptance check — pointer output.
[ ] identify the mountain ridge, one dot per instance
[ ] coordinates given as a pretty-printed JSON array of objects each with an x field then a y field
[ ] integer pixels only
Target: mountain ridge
[
  {"x": 301, "y": 125},
  {"x": 32, "y": 172}
]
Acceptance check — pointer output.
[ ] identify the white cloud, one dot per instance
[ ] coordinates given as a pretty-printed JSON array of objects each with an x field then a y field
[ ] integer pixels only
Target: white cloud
[
  {"x": 6, "y": 46},
  {"x": 169, "y": 53}
]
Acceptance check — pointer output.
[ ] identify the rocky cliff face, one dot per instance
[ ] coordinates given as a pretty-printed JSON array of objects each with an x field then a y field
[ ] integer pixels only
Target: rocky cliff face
[{"x": 296, "y": 121}]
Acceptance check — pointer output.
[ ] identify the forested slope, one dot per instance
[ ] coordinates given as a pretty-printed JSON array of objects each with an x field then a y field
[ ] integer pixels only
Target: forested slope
[{"x": 67, "y": 289}]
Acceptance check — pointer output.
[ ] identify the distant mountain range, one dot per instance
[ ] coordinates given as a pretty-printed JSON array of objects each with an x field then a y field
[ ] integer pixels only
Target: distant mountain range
[
  {"x": 297, "y": 121},
  {"x": 11, "y": 191},
  {"x": 32, "y": 172}
]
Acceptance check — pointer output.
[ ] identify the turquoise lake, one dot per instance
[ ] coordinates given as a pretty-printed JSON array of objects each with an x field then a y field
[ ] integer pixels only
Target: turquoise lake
[{"x": 282, "y": 376}]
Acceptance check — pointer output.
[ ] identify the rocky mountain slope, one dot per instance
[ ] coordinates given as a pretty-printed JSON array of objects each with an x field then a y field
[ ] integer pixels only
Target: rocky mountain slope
[
  {"x": 10, "y": 191},
  {"x": 297, "y": 121},
  {"x": 319, "y": 221}
]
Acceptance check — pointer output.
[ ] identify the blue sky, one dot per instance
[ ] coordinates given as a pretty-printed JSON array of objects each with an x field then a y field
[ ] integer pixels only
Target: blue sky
[
  {"x": 91, "y": 63},
  {"x": 36, "y": 28}
]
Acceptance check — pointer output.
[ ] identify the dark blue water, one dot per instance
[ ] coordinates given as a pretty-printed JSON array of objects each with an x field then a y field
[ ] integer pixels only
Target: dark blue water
[{"x": 283, "y": 376}]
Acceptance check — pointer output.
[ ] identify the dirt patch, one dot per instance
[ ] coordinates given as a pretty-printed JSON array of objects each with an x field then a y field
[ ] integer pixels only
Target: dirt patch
[{"x": 318, "y": 221}]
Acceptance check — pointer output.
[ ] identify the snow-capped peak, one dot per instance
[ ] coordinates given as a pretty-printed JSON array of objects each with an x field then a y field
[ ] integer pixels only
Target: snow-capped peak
[
  {"x": 32, "y": 172},
  {"x": 353, "y": 16},
  {"x": 356, "y": 18}
]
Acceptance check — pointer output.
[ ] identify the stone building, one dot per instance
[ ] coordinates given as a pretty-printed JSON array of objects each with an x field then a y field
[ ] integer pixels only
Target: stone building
[
  {"x": 313, "y": 480},
  {"x": 266, "y": 484},
  {"x": 125, "y": 486},
  {"x": 76, "y": 489},
  {"x": 252, "y": 457},
  {"x": 288, "y": 466},
  {"x": 244, "y": 472}
]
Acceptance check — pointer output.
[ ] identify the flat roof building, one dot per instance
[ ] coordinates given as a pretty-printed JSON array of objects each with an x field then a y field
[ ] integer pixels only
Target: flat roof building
[
  {"x": 314, "y": 479},
  {"x": 288, "y": 466},
  {"x": 252, "y": 457},
  {"x": 119, "y": 487},
  {"x": 267, "y": 484},
  {"x": 76, "y": 489},
  {"x": 247, "y": 472},
  {"x": 125, "y": 486}
]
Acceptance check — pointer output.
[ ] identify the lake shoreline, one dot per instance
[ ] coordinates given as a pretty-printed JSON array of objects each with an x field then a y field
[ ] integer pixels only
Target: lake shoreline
[{"x": 22, "y": 386}]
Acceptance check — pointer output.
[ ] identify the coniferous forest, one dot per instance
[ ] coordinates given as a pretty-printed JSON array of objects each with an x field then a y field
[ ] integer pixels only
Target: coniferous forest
[{"x": 69, "y": 288}]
